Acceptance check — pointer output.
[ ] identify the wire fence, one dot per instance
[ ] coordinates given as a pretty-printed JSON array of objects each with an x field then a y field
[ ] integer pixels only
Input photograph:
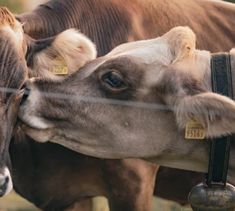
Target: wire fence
[{"x": 79, "y": 98}]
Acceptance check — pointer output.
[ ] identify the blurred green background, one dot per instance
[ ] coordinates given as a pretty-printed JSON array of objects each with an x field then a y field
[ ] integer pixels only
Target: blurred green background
[
  {"x": 15, "y": 203},
  {"x": 14, "y": 5}
]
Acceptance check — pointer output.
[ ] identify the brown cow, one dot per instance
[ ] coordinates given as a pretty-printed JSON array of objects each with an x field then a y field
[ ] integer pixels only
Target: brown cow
[
  {"x": 110, "y": 23},
  {"x": 134, "y": 19},
  {"x": 152, "y": 88}
]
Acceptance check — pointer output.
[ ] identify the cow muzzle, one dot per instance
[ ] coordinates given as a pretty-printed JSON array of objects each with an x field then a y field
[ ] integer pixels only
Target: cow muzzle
[{"x": 5, "y": 182}]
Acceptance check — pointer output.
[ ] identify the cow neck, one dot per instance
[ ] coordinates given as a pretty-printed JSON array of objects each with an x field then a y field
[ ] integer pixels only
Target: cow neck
[{"x": 220, "y": 147}]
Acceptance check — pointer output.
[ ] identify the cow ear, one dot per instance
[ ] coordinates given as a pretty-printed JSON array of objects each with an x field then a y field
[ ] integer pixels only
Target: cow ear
[
  {"x": 75, "y": 48},
  {"x": 216, "y": 113},
  {"x": 181, "y": 41},
  {"x": 63, "y": 54}
]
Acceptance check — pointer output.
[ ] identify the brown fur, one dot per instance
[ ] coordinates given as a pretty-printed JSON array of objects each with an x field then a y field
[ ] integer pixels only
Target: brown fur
[
  {"x": 60, "y": 177},
  {"x": 128, "y": 20}
]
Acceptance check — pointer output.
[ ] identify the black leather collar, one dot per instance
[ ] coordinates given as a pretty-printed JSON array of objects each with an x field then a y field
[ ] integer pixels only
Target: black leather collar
[{"x": 220, "y": 147}]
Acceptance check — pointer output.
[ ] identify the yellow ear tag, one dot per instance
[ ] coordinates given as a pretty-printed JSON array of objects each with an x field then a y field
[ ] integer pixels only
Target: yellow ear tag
[
  {"x": 59, "y": 67},
  {"x": 194, "y": 130}
]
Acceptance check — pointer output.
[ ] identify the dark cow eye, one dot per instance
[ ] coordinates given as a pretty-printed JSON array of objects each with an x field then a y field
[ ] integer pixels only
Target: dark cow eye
[{"x": 114, "y": 81}]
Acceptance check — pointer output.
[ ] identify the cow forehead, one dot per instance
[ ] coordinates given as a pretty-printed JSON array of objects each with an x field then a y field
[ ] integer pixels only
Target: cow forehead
[
  {"x": 142, "y": 55},
  {"x": 149, "y": 56},
  {"x": 148, "y": 51}
]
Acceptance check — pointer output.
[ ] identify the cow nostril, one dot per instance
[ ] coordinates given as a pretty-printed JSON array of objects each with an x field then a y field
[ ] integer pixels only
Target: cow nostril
[
  {"x": 4, "y": 180},
  {"x": 25, "y": 95},
  {"x": 3, "y": 183},
  {"x": 7, "y": 179}
]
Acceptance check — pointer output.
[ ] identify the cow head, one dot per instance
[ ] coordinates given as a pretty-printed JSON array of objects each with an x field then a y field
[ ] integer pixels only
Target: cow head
[
  {"x": 13, "y": 72},
  {"x": 133, "y": 102}
]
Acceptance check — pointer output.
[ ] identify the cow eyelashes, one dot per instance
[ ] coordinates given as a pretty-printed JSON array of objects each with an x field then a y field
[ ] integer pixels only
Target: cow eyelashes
[{"x": 113, "y": 81}]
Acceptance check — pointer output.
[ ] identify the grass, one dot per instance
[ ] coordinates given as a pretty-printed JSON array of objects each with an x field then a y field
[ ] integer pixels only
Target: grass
[{"x": 13, "y": 202}]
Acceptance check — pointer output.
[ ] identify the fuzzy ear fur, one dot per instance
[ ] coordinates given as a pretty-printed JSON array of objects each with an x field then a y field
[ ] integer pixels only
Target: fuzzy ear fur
[
  {"x": 215, "y": 112},
  {"x": 182, "y": 42},
  {"x": 75, "y": 48},
  {"x": 11, "y": 26},
  {"x": 69, "y": 51},
  {"x": 7, "y": 18}
]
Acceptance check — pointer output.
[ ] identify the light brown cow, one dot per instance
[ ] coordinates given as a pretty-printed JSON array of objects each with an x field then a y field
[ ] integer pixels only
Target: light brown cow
[{"x": 152, "y": 89}]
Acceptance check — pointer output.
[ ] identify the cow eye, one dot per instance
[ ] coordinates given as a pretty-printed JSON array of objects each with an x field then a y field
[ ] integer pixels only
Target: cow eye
[{"x": 114, "y": 81}]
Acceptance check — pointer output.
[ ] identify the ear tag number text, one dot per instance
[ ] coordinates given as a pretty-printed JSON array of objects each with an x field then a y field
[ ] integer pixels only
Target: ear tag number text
[{"x": 194, "y": 130}]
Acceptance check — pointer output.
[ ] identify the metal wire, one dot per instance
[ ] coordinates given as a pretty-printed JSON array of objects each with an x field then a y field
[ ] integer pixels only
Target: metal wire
[{"x": 79, "y": 98}]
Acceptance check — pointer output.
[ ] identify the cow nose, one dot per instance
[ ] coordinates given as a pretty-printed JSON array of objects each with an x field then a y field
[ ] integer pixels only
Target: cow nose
[{"x": 4, "y": 182}]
